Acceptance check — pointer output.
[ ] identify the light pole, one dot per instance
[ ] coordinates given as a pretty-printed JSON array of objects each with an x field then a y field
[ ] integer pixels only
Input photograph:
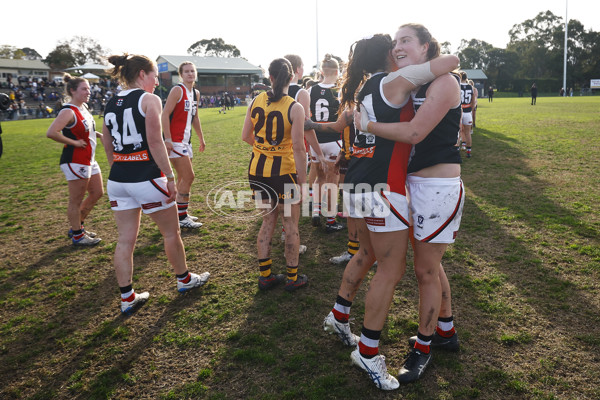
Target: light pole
[
  {"x": 565, "y": 57},
  {"x": 317, "y": 30}
]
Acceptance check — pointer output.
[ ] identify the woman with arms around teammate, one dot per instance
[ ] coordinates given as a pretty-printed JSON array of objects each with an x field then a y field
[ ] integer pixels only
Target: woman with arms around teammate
[
  {"x": 376, "y": 200},
  {"x": 274, "y": 127},
  {"x": 75, "y": 127},
  {"x": 435, "y": 189},
  {"x": 178, "y": 117},
  {"x": 141, "y": 178}
]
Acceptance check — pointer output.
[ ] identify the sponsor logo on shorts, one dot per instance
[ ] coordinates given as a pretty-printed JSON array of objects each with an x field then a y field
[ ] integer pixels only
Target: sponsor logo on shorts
[
  {"x": 375, "y": 221},
  {"x": 149, "y": 206},
  {"x": 113, "y": 203}
]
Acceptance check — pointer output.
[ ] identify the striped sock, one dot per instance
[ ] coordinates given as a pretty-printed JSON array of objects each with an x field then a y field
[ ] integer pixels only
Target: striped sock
[
  {"x": 265, "y": 266},
  {"x": 330, "y": 220},
  {"x": 341, "y": 309},
  {"x": 127, "y": 293},
  {"x": 316, "y": 208},
  {"x": 182, "y": 210},
  {"x": 423, "y": 343},
  {"x": 353, "y": 247},
  {"x": 184, "y": 278},
  {"x": 368, "y": 346},
  {"x": 292, "y": 273},
  {"x": 445, "y": 326},
  {"x": 78, "y": 235}
]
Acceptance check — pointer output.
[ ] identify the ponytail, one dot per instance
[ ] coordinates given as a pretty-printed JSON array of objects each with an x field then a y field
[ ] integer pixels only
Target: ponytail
[{"x": 280, "y": 71}]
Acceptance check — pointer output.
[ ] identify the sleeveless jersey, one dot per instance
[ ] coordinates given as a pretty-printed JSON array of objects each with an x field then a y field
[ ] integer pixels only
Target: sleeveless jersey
[
  {"x": 439, "y": 147},
  {"x": 324, "y": 105},
  {"x": 293, "y": 90},
  {"x": 376, "y": 160},
  {"x": 182, "y": 116},
  {"x": 84, "y": 128},
  {"x": 466, "y": 96},
  {"x": 272, "y": 152},
  {"x": 132, "y": 160}
]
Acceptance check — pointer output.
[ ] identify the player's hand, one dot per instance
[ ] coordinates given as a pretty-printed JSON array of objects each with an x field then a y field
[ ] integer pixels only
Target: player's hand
[
  {"x": 81, "y": 144},
  {"x": 172, "y": 189},
  {"x": 169, "y": 146},
  {"x": 202, "y": 147}
]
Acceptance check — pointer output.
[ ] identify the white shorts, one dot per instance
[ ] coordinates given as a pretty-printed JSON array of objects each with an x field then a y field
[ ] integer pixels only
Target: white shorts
[
  {"x": 150, "y": 196},
  {"x": 382, "y": 211},
  {"x": 181, "y": 150},
  {"x": 330, "y": 151},
  {"x": 467, "y": 118},
  {"x": 74, "y": 171},
  {"x": 436, "y": 205}
]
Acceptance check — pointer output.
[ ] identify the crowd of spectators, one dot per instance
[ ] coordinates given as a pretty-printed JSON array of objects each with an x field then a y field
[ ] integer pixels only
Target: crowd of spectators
[{"x": 43, "y": 98}]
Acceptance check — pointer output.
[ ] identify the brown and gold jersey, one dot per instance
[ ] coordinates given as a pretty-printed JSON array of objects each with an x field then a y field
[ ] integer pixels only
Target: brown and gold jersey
[{"x": 272, "y": 152}]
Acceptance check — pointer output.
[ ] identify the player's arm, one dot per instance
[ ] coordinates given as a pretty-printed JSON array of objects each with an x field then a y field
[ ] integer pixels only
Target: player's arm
[
  {"x": 198, "y": 126},
  {"x": 65, "y": 117},
  {"x": 297, "y": 117},
  {"x": 398, "y": 84},
  {"x": 107, "y": 142},
  {"x": 152, "y": 107},
  {"x": 248, "y": 128},
  {"x": 442, "y": 95},
  {"x": 331, "y": 127},
  {"x": 172, "y": 99}
]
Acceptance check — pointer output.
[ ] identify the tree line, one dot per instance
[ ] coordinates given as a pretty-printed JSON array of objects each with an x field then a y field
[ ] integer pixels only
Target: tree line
[{"x": 534, "y": 53}]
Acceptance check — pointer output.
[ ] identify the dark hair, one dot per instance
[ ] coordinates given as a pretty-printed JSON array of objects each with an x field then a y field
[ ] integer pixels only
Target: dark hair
[
  {"x": 425, "y": 37},
  {"x": 128, "y": 67},
  {"x": 280, "y": 70},
  {"x": 72, "y": 83},
  {"x": 463, "y": 76},
  {"x": 366, "y": 56}
]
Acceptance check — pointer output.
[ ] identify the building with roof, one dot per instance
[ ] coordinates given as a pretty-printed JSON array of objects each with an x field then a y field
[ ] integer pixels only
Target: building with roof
[
  {"x": 216, "y": 75},
  {"x": 479, "y": 79},
  {"x": 22, "y": 69}
]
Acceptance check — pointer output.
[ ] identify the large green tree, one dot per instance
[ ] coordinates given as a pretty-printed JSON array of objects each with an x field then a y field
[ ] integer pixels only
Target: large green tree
[
  {"x": 213, "y": 47},
  {"x": 77, "y": 51}
]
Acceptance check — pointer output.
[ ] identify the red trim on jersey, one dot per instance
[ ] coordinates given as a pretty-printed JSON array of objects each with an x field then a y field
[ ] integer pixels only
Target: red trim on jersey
[
  {"x": 445, "y": 224},
  {"x": 397, "y": 170}
]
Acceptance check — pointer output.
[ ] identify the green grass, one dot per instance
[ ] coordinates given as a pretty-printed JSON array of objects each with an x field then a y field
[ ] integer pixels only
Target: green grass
[{"x": 524, "y": 271}]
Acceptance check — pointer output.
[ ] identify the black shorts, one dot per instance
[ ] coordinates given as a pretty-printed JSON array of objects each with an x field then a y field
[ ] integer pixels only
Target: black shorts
[{"x": 283, "y": 188}]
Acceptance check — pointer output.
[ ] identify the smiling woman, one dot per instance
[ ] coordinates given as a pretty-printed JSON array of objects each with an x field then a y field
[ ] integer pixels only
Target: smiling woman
[{"x": 76, "y": 129}]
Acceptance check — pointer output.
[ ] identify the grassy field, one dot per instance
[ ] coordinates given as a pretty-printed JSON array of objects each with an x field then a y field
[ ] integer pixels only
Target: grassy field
[{"x": 525, "y": 274}]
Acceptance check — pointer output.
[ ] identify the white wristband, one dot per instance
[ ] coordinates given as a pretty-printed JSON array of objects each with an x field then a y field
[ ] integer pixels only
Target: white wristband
[
  {"x": 168, "y": 141},
  {"x": 170, "y": 177}
]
